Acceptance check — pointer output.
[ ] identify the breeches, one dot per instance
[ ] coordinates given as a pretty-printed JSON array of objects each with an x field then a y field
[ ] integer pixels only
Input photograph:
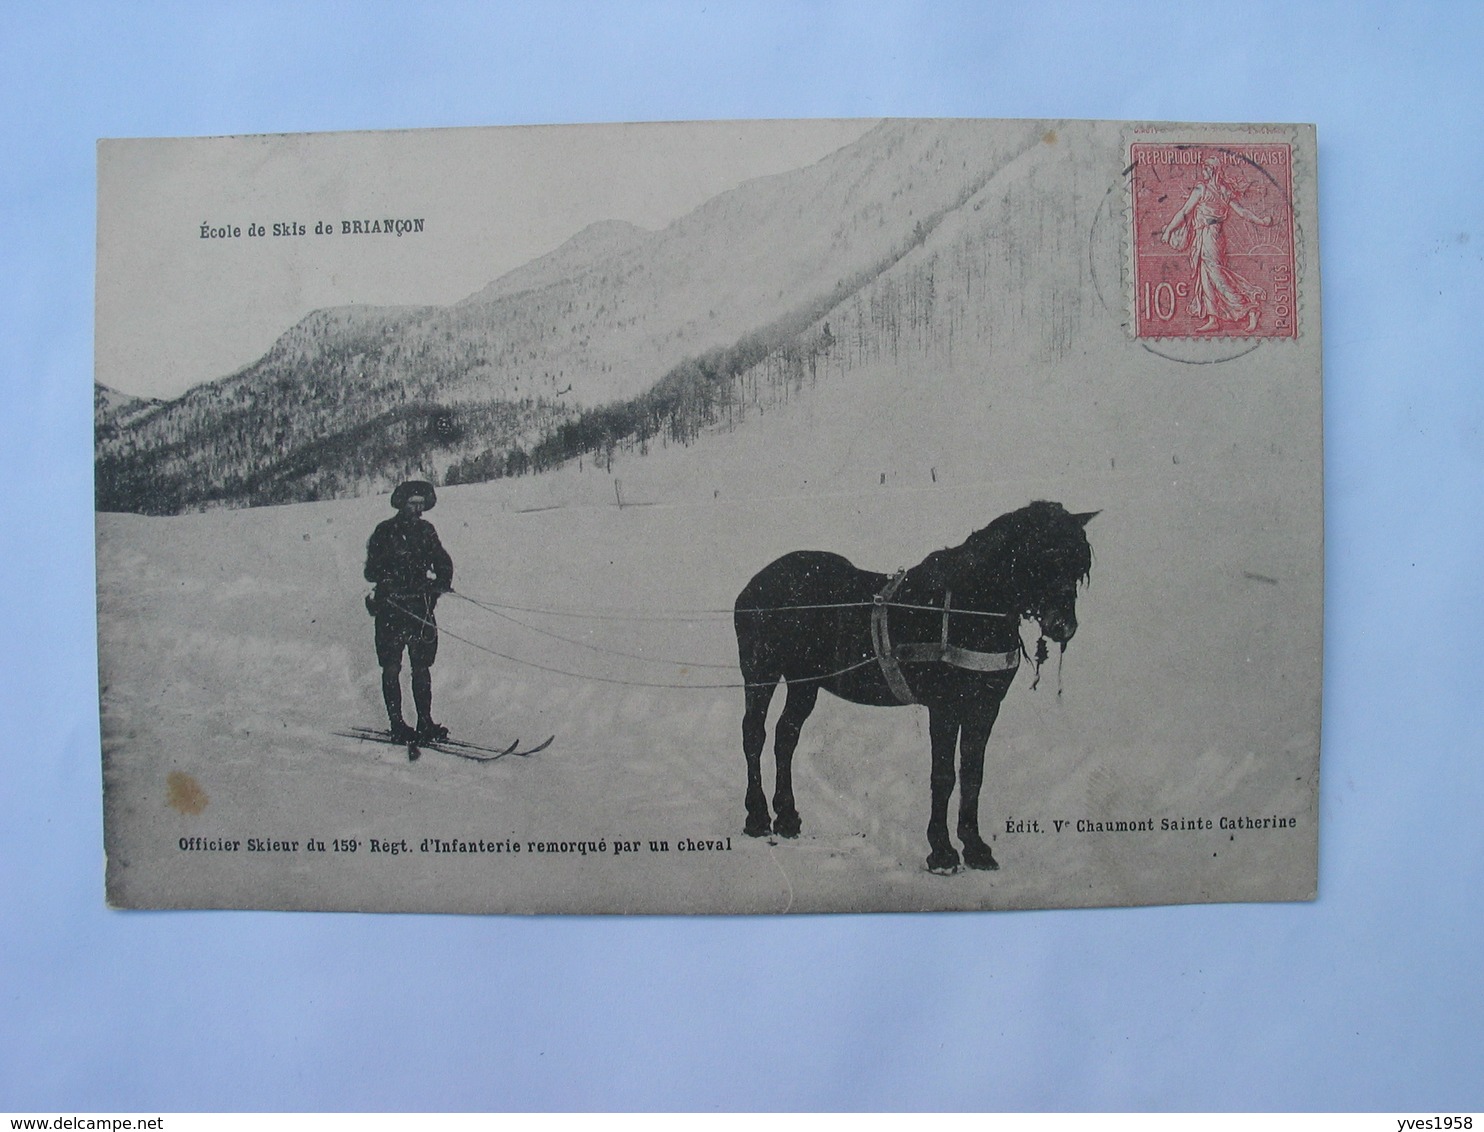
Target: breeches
[{"x": 397, "y": 630}]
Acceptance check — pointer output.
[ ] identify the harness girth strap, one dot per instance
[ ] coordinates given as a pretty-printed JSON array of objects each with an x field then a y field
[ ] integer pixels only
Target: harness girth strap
[
  {"x": 957, "y": 657},
  {"x": 881, "y": 642},
  {"x": 891, "y": 657}
]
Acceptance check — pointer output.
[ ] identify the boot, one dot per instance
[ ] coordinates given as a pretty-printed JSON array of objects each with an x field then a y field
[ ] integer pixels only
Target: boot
[
  {"x": 422, "y": 696},
  {"x": 391, "y": 695}
]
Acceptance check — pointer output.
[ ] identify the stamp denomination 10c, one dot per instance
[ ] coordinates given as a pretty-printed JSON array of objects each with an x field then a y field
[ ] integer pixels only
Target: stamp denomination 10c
[{"x": 1213, "y": 240}]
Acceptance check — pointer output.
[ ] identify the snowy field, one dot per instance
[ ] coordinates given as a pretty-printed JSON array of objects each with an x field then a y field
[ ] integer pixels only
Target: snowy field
[{"x": 236, "y": 644}]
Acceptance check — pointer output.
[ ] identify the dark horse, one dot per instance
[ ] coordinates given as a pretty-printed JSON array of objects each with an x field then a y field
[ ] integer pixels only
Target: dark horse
[{"x": 945, "y": 633}]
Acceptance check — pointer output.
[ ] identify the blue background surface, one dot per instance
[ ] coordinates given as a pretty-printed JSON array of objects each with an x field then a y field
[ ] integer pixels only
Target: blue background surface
[{"x": 1371, "y": 998}]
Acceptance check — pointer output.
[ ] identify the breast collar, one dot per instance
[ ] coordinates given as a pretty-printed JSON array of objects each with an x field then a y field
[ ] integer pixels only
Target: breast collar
[{"x": 892, "y": 657}]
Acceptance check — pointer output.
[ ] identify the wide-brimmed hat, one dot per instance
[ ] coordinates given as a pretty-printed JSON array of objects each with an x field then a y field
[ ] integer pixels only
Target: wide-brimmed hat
[{"x": 415, "y": 487}]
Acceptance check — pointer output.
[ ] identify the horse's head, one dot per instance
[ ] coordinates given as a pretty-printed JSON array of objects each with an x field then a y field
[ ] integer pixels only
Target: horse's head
[{"x": 1041, "y": 555}]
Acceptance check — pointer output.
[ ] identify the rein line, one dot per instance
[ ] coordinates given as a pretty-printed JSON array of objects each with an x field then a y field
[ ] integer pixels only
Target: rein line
[
  {"x": 703, "y": 614},
  {"x": 595, "y": 648},
  {"x": 613, "y": 679},
  {"x": 878, "y": 604}
]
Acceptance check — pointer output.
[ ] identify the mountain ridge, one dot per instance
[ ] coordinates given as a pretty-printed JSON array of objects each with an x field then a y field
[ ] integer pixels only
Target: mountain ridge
[{"x": 606, "y": 319}]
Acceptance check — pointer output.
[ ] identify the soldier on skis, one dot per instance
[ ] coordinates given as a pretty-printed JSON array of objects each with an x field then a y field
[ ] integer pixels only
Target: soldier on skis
[{"x": 410, "y": 570}]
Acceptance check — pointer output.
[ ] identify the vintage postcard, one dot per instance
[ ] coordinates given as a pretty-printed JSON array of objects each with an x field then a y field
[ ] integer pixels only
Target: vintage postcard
[{"x": 727, "y": 517}]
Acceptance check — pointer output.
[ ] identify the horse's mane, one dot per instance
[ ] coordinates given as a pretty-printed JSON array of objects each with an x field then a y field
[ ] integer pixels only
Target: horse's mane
[{"x": 1042, "y": 545}]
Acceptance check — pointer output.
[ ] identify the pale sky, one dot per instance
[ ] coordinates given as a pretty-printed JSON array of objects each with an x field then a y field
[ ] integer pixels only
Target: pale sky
[{"x": 176, "y": 309}]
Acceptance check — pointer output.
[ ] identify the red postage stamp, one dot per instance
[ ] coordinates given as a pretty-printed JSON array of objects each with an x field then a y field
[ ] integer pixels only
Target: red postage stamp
[{"x": 1213, "y": 240}]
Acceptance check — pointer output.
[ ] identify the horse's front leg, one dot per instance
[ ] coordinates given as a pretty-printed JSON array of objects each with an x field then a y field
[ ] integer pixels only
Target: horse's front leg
[
  {"x": 943, "y": 731},
  {"x": 970, "y": 777}
]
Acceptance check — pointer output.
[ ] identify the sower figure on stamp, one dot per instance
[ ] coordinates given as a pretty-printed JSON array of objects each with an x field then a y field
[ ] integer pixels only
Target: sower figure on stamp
[
  {"x": 1221, "y": 295},
  {"x": 410, "y": 570}
]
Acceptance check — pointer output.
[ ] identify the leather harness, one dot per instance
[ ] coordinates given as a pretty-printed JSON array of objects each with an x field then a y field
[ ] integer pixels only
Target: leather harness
[{"x": 892, "y": 657}]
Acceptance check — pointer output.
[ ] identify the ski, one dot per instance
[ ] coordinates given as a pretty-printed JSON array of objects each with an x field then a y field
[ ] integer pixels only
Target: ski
[
  {"x": 474, "y": 752},
  {"x": 489, "y": 754},
  {"x": 387, "y": 737},
  {"x": 510, "y": 750}
]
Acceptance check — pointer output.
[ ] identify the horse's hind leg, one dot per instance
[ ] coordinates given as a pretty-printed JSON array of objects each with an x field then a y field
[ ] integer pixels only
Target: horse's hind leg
[
  {"x": 754, "y": 735},
  {"x": 796, "y": 709}
]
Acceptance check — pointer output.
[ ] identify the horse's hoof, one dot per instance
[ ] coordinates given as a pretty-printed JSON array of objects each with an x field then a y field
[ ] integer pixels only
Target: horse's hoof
[
  {"x": 787, "y": 825},
  {"x": 759, "y": 827},
  {"x": 980, "y": 859},
  {"x": 943, "y": 862}
]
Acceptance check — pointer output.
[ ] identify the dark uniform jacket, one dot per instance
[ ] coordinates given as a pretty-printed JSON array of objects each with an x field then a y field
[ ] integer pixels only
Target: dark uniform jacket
[{"x": 404, "y": 558}]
